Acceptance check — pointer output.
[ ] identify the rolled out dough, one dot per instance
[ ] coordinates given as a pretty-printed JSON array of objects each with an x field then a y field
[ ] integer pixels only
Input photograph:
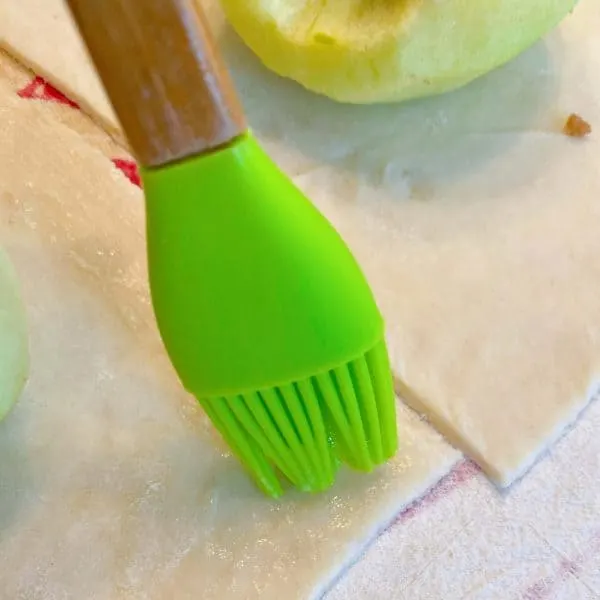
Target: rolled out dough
[
  {"x": 474, "y": 218},
  {"x": 14, "y": 353},
  {"x": 112, "y": 483}
]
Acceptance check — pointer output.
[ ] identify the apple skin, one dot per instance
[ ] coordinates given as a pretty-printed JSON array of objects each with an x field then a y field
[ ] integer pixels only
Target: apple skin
[
  {"x": 14, "y": 347},
  {"x": 370, "y": 51}
]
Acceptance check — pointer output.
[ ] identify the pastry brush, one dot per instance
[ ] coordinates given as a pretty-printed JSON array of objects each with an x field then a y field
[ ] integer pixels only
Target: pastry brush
[{"x": 264, "y": 312}]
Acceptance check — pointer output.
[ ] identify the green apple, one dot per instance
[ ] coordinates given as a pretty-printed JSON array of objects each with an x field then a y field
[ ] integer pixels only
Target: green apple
[
  {"x": 14, "y": 351},
  {"x": 367, "y": 51}
]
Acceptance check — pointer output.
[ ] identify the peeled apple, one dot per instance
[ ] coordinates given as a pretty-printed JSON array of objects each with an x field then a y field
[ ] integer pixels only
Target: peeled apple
[
  {"x": 14, "y": 353},
  {"x": 368, "y": 51}
]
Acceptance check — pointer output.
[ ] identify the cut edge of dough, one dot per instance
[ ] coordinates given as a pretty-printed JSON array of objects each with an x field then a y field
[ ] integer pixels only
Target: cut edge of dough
[
  {"x": 506, "y": 478},
  {"x": 110, "y": 127},
  {"x": 355, "y": 554},
  {"x": 445, "y": 429}
]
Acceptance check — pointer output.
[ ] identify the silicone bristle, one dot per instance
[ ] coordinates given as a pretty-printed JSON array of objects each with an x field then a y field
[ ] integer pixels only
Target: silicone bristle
[
  {"x": 378, "y": 364},
  {"x": 305, "y": 428},
  {"x": 362, "y": 409},
  {"x": 243, "y": 445},
  {"x": 280, "y": 427}
]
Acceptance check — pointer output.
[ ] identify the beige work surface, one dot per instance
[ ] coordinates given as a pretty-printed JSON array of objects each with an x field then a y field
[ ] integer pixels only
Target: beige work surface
[
  {"x": 112, "y": 484},
  {"x": 475, "y": 219}
]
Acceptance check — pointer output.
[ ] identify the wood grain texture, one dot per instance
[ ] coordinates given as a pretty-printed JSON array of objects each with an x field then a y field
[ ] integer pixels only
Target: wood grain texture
[{"x": 163, "y": 74}]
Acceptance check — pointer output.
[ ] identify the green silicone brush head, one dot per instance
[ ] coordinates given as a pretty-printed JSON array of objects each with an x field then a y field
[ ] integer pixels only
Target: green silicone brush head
[
  {"x": 305, "y": 428},
  {"x": 268, "y": 319}
]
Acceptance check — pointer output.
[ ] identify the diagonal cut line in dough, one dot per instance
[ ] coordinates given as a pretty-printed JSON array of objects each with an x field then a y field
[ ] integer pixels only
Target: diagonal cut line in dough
[{"x": 481, "y": 248}]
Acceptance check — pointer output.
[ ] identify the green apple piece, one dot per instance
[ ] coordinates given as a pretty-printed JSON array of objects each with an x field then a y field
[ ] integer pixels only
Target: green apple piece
[
  {"x": 14, "y": 351},
  {"x": 368, "y": 51}
]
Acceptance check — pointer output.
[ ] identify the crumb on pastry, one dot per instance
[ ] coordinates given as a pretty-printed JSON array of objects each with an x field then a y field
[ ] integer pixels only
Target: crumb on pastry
[{"x": 576, "y": 127}]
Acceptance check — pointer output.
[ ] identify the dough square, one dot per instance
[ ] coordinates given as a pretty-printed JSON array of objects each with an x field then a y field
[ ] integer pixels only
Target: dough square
[
  {"x": 473, "y": 216},
  {"x": 112, "y": 482}
]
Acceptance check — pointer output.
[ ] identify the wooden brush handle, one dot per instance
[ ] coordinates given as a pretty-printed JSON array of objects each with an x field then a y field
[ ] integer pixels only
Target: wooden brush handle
[{"x": 163, "y": 74}]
